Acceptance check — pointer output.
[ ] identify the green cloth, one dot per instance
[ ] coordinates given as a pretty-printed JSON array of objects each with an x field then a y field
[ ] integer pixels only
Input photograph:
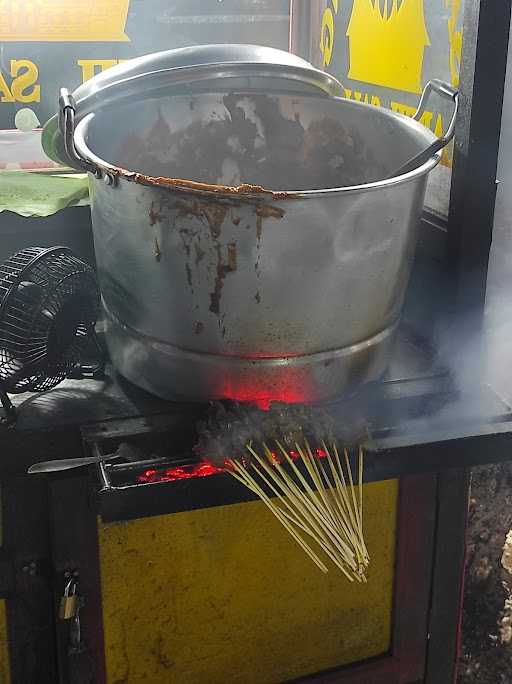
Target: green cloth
[{"x": 37, "y": 194}]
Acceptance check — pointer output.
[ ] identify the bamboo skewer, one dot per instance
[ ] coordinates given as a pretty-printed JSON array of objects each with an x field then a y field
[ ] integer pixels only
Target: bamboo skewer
[
  {"x": 343, "y": 499},
  {"x": 311, "y": 465},
  {"x": 294, "y": 494},
  {"x": 322, "y": 500},
  {"x": 320, "y": 540},
  {"x": 311, "y": 502},
  {"x": 337, "y": 514},
  {"x": 278, "y": 515},
  {"x": 340, "y": 511},
  {"x": 344, "y": 489},
  {"x": 316, "y": 533}
]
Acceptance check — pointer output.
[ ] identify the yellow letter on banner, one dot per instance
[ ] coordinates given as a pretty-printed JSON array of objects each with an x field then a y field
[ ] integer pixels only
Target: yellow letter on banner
[
  {"x": 327, "y": 36},
  {"x": 89, "y": 66},
  {"x": 5, "y": 92},
  {"x": 25, "y": 80}
]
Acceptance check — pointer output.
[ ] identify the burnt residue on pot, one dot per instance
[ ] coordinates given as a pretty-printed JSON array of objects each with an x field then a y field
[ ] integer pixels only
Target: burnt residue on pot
[
  {"x": 157, "y": 251},
  {"x": 189, "y": 277},
  {"x": 244, "y": 190},
  {"x": 213, "y": 215},
  {"x": 263, "y": 211},
  {"x": 269, "y": 211},
  {"x": 213, "y": 212},
  {"x": 154, "y": 216},
  {"x": 190, "y": 238},
  {"x": 222, "y": 271},
  {"x": 199, "y": 252},
  {"x": 198, "y": 242},
  {"x": 222, "y": 327},
  {"x": 196, "y": 151},
  {"x": 266, "y": 211},
  {"x": 232, "y": 256}
]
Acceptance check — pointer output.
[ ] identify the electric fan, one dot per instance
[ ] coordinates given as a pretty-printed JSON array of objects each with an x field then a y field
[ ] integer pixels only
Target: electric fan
[{"x": 49, "y": 303}]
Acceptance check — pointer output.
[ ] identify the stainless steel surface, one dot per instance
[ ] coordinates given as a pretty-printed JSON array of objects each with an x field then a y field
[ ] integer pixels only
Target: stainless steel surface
[
  {"x": 215, "y": 289},
  {"x": 186, "y": 69},
  {"x": 182, "y": 374},
  {"x": 445, "y": 90}
]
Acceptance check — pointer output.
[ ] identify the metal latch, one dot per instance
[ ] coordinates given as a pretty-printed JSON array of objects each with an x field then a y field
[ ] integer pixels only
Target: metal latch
[{"x": 69, "y": 610}]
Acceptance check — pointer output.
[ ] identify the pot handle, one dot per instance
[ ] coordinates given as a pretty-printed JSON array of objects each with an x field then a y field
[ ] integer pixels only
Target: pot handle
[
  {"x": 67, "y": 113},
  {"x": 445, "y": 90}
]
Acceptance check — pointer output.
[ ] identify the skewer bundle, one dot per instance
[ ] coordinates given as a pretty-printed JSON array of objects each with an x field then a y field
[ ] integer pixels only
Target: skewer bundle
[{"x": 310, "y": 490}]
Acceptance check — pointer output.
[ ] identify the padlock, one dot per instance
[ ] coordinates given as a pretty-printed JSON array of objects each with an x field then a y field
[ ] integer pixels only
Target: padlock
[{"x": 69, "y": 602}]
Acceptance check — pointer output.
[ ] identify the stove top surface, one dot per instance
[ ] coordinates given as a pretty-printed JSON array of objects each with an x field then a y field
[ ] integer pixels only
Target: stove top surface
[{"x": 418, "y": 418}]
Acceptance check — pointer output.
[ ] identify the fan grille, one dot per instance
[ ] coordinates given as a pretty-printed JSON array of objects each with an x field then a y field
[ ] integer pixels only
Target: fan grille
[{"x": 49, "y": 301}]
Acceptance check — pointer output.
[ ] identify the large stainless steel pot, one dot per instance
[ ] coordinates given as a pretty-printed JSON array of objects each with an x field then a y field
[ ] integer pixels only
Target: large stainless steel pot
[{"x": 276, "y": 268}]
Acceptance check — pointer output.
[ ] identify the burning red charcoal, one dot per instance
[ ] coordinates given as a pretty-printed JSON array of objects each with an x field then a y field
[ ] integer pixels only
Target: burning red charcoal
[
  {"x": 203, "y": 469},
  {"x": 147, "y": 475}
]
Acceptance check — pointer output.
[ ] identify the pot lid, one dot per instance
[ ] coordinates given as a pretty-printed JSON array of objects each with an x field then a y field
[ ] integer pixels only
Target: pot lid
[{"x": 198, "y": 68}]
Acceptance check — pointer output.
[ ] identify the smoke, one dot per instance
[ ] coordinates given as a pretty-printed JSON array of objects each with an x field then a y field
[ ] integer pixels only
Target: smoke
[
  {"x": 498, "y": 315},
  {"x": 229, "y": 428},
  {"x": 474, "y": 363},
  {"x": 466, "y": 383}
]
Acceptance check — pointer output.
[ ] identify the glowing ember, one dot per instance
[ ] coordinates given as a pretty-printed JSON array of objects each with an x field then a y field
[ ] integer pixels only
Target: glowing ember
[{"x": 203, "y": 469}]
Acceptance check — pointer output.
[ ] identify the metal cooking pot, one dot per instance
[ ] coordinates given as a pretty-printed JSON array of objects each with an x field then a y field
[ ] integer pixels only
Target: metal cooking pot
[{"x": 247, "y": 247}]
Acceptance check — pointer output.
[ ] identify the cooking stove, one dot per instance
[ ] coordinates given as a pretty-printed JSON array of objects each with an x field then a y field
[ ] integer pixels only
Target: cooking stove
[{"x": 149, "y": 465}]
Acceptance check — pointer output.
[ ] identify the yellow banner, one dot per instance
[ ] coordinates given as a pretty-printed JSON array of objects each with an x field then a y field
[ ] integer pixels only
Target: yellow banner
[
  {"x": 387, "y": 47},
  {"x": 386, "y": 44},
  {"x": 64, "y": 20}
]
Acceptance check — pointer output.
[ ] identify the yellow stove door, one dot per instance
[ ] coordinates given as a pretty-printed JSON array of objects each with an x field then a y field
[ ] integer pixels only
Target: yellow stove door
[
  {"x": 5, "y": 673},
  {"x": 224, "y": 595}
]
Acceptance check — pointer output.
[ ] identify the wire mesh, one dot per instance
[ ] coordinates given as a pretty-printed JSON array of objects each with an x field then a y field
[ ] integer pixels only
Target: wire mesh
[{"x": 49, "y": 302}]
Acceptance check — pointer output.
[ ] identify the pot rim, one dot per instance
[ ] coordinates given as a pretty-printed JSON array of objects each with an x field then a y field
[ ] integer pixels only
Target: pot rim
[{"x": 251, "y": 191}]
